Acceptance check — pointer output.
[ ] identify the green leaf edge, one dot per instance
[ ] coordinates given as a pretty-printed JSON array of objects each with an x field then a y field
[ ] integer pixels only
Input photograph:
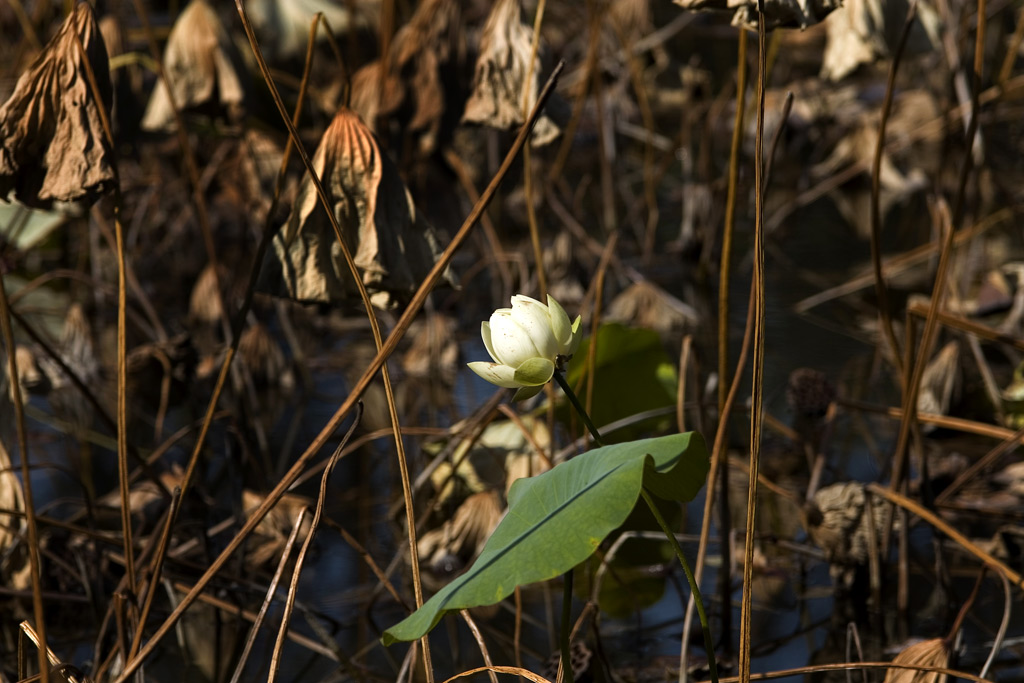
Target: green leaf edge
[{"x": 664, "y": 465}]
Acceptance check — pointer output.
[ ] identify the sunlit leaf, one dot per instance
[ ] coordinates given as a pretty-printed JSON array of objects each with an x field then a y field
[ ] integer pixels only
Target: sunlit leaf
[
  {"x": 557, "y": 519},
  {"x": 52, "y": 143},
  {"x": 633, "y": 374}
]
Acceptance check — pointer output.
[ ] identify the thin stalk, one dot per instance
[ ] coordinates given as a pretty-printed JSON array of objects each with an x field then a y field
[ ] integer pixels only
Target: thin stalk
[
  {"x": 566, "y": 664},
  {"x": 374, "y": 326},
  {"x": 757, "y": 381},
  {"x": 709, "y": 644},
  {"x": 730, "y": 220},
  {"x": 26, "y": 481},
  {"x": 122, "y": 340},
  {"x": 881, "y": 289},
  {"x": 694, "y": 589},
  {"x": 571, "y": 395},
  {"x": 531, "y": 215},
  {"x": 399, "y": 330}
]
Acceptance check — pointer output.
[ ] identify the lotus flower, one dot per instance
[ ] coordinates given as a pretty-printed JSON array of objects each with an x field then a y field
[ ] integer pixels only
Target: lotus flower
[{"x": 528, "y": 342}]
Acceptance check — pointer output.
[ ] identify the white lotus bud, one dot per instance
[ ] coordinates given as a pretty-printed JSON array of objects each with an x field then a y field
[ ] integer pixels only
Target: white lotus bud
[{"x": 527, "y": 342}]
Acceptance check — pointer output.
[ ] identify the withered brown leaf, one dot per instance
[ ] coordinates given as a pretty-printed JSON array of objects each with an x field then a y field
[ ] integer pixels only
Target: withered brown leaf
[
  {"x": 52, "y": 144},
  {"x": 779, "y": 13},
  {"x": 414, "y": 83},
  {"x": 200, "y": 64},
  {"x": 14, "y": 566},
  {"x": 856, "y": 35},
  {"x": 500, "y": 78},
  {"x": 934, "y": 652},
  {"x": 391, "y": 244}
]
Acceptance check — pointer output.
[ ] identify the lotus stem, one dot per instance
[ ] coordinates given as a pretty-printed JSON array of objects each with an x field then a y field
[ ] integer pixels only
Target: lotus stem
[
  {"x": 560, "y": 378},
  {"x": 694, "y": 589}
]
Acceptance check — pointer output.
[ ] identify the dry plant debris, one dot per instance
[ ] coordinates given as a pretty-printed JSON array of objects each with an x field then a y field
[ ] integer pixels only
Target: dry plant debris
[
  {"x": 837, "y": 520},
  {"x": 856, "y": 36},
  {"x": 416, "y": 81},
  {"x": 934, "y": 652},
  {"x": 52, "y": 144},
  {"x": 15, "y": 571},
  {"x": 779, "y": 13},
  {"x": 202, "y": 68},
  {"x": 392, "y": 245},
  {"x": 501, "y": 94}
]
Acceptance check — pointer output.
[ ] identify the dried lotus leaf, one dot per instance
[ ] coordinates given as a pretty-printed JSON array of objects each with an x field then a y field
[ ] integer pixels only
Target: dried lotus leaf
[
  {"x": 414, "y": 82},
  {"x": 644, "y": 304},
  {"x": 464, "y": 535},
  {"x": 934, "y": 652},
  {"x": 779, "y": 13},
  {"x": 500, "y": 77},
  {"x": 856, "y": 35},
  {"x": 837, "y": 520},
  {"x": 52, "y": 143},
  {"x": 393, "y": 247},
  {"x": 14, "y": 566},
  {"x": 434, "y": 352},
  {"x": 201, "y": 65}
]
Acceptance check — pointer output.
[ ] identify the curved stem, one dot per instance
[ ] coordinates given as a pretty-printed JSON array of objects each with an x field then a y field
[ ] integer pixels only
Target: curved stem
[
  {"x": 701, "y": 614},
  {"x": 694, "y": 589},
  {"x": 560, "y": 378}
]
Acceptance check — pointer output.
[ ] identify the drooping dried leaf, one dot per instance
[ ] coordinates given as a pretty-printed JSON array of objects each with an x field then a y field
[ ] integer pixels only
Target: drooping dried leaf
[
  {"x": 78, "y": 352},
  {"x": 274, "y": 529},
  {"x": 393, "y": 247},
  {"x": 779, "y": 13},
  {"x": 414, "y": 85},
  {"x": 204, "y": 304},
  {"x": 855, "y": 37},
  {"x": 283, "y": 25},
  {"x": 837, "y": 520},
  {"x": 52, "y": 144},
  {"x": 939, "y": 381},
  {"x": 934, "y": 652},
  {"x": 434, "y": 351},
  {"x": 464, "y": 535},
  {"x": 30, "y": 378},
  {"x": 499, "y": 82},
  {"x": 644, "y": 304},
  {"x": 14, "y": 566},
  {"x": 264, "y": 358},
  {"x": 201, "y": 65}
]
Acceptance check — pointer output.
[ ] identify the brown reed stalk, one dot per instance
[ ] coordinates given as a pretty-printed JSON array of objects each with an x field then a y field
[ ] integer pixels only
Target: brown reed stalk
[
  {"x": 478, "y": 637},
  {"x": 881, "y": 290},
  {"x": 685, "y": 350},
  {"x": 718, "y": 461},
  {"x": 122, "y": 340},
  {"x": 595, "y": 320},
  {"x": 26, "y": 481},
  {"x": 531, "y": 214},
  {"x": 275, "y": 658},
  {"x": 154, "y": 574},
  {"x": 757, "y": 380},
  {"x": 967, "y": 544},
  {"x": 724, "y": 381},
  {"x": 725, "y": 261},
  {"x": 269, "y": 597},
  {"x": 399, "y": 330},
  {"x": 374, "y": 325},
  {"x": 856, "y": 666},
  {"x": 938, "y": 290}
]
